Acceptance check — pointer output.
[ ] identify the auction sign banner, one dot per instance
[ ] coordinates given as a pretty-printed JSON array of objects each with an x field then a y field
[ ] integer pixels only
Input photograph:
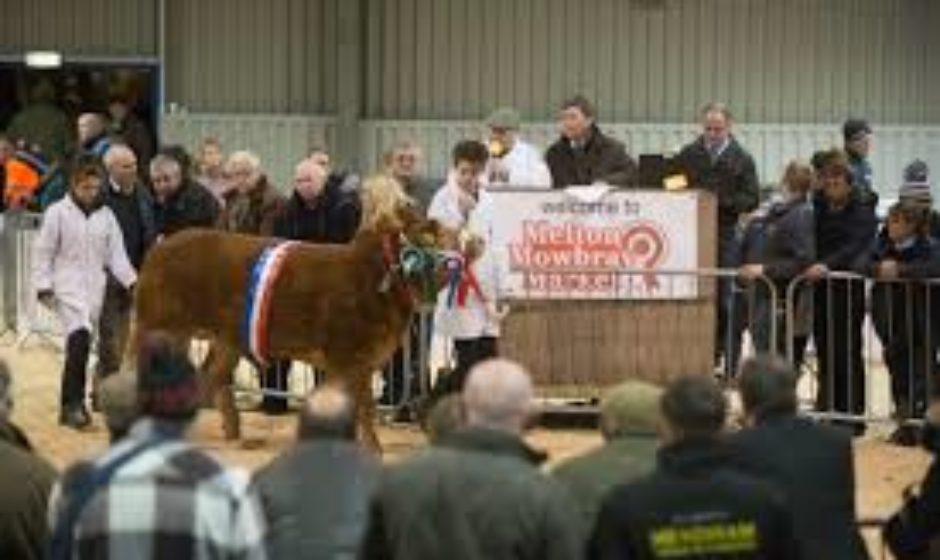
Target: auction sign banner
[{"x": 595, "y": 243}]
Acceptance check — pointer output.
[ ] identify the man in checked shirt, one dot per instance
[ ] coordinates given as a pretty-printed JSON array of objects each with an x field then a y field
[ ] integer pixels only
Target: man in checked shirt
[{"x": 153, "y": 494}]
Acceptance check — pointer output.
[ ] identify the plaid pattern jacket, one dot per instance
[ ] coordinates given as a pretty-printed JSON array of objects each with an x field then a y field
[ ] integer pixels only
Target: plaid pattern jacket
[{"x": 168, "y": 501}]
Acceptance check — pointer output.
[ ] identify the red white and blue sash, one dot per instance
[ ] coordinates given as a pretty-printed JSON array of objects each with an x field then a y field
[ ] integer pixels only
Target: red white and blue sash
[{"x": 264, "y": 274}]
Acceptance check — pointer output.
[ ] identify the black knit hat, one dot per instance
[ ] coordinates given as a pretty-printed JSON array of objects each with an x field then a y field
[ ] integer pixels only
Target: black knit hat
[
  {"x": 916, "y": 172},
  {"x": 854, "y": 129},
  {"x": 916, "y": 186},
  {"x": 167, "y": 387}
]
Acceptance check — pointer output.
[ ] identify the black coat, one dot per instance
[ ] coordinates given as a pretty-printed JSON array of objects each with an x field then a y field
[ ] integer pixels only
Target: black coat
[
  {"x": 732, "y": 178},
  {"x": 906, "y": 317},
  {"x": 815, "y": 472},
  {"x": 933, "y": 226},
  {"x": 334, "y": 219},
  {"x": 135, "y": 214},
  {"x": 695, "y": 497},
  {"x": 191, "y": 206},
  {"x": 602, "y": 159},
  {"x": 844, "y": 237},
  {"x": 910, "y": 531}
]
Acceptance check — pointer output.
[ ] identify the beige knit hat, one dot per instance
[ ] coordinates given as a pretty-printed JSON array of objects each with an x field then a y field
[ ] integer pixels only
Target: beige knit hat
[{"x": 631, "y": 408}]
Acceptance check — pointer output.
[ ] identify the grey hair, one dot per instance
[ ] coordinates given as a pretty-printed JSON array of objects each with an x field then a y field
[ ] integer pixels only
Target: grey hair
[
  {"x": 498, "y": 395},
  {"x": 328, "y": 413},
  {"x": 717, "y": 107},
  {"x": 114, "y": 151},
  {"x": 244, "y": 159},
  {"x": 165, "y": 163}
]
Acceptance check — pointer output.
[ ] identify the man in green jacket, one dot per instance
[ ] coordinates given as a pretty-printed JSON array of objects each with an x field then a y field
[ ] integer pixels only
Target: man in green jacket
[
  {"x": 478, "y": 493},
  {"x": 25, "y": 483},
  {"x": 628, "y": 424}
]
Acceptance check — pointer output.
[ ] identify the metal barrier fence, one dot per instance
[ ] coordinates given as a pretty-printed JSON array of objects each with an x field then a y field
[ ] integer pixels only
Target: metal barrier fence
[
  {"x": 22, "y": 313},
  {"x": 652, "y": 325},
  {"x": 875, "y": 344}
]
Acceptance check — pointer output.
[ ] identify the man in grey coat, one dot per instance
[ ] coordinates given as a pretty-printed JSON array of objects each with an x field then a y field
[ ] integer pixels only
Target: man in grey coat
[
  {"x": 629, "y": 416},
  {"x": 477, "y": 494},
  {"x": 316, "y": 495}
]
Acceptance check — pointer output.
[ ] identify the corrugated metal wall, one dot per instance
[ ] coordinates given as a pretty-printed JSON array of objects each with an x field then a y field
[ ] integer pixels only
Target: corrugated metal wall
[
  {"x": 796, "y": 61},
  {"x": 277, "y": 56},
  {"x": 771, "y": 145},
  {"x": 279, "y": 140},
  {"x": 80, "y": 27}
]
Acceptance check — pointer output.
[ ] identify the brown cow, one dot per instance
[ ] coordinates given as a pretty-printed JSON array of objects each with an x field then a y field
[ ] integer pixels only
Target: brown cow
[{"x": 342, "y": 308}]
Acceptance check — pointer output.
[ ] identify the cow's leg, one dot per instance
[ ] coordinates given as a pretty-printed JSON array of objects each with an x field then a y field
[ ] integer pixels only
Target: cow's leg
[
  {"x": 219, "y": 371},
  {"x": 360, "y": 385},
  {"x": 207, "y": 383},
  {"x": 129, "y": 359}
]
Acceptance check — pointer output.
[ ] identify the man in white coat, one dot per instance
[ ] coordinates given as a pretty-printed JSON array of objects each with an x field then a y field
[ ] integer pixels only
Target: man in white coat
[
  {"x": 472, "y": 322},
  {"x": 79, "y": 241},
  {"x": 513, "y": 161}
]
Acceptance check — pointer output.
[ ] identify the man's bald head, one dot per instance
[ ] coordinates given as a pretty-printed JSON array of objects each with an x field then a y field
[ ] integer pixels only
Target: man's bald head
[
  {"x": 121, "y": 164},
  {"x": 90, "y": 125},
  {"x": 118, "y": 153},
  {"x": 498, "y": 395},
  {"x": 328, "y": 413},
  {"x": 309, "y": 179}
]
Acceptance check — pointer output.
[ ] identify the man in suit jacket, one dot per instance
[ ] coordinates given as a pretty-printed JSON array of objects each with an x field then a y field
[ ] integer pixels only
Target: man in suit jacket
[
  {"x": 809, "y": 463},
  {"x": 584, "y": 155}
]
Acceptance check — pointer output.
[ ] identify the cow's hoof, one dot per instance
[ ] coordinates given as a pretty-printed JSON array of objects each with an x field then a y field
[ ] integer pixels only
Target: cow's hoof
[{"x": 252, "y": 444}]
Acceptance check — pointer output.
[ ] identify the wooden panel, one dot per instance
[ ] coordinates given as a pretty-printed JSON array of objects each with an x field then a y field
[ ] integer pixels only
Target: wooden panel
[
  {"x": 503, "y": 52},
  {"x": 930, "y": 66},
  {"x": 639, "y": 67},
  {"x": 523, "y": 86},
  {"x": 424, "y": 75},
  {"x": 801, "y": 61},
  {"x": 92, "y": 27},
  {"x": 374, "y": 78},
  {"x": 246, "y": 56}
]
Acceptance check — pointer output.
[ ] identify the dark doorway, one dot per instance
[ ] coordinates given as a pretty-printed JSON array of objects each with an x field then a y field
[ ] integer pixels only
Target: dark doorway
[{"x": 76, "y": 88}]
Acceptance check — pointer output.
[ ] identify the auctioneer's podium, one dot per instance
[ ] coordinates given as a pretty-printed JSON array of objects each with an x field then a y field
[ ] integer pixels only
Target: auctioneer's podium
[{"x": 606, "y": 285}]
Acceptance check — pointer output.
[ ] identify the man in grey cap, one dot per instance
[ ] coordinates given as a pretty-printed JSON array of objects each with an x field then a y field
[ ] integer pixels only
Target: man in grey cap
[
  {"x": 512, "y": 160},
  {"x": 628, "y": 424}
]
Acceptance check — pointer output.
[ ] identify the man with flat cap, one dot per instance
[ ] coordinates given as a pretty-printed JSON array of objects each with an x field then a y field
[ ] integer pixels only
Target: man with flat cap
[
  {"x": 628, "y": 424},
  {"x": 513, "y": 161}
]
